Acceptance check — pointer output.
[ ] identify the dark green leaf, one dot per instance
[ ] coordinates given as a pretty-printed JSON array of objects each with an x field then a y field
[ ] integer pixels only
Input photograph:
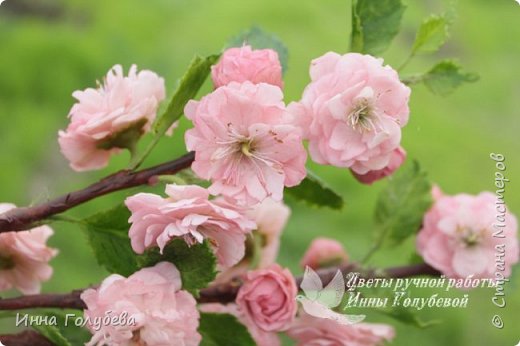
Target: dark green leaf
[
  {"x": 431, "y": 35},
  {"x": 401, "y": 205},
  {"x": 447, "y": 76},
  {"x": 375, "y": 23},
  {"x": 187, "y": 89},
  {"x": 75, "y": 335},
  {"x": 197, "y": 263},
  {"x": 223, "y": 329},
  {"x": 107, "y": 234},
  {"x": 52, "y": 333},
  {"x": 315, "y": 192},
  {"x": 259, "y": 39}
]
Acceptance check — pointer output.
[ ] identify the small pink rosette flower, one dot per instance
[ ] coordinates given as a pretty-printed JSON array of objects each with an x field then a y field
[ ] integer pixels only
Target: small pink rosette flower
[
  {"x": 244, "y": 142},
  {"x": 246, "y": 64},
  {"x": 111, "y": 117},
  {"x": 188, "y": 213},
  {"x": 313, "y": 331},
  {"x": 352, "y": 112},
  {"x": 261, "y": 337},
  {"x": 324, "y": 252},
  {"x": 268, "y": 298},
  {"x": 461, "y": 235},
  {"x": 396, "y": 160},
  {"x": 24, "y": 257},
  {"x": 147, "y": 308}
]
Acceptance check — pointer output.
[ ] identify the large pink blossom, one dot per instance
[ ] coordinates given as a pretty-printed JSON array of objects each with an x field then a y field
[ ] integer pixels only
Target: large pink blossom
[
  {"x": 244, "y": 143},
  {"x": 396, "y": 160},
  {"x": 261, "y": 337},
  {"x": 188, "y": 213},
  {"x": 352, "y": 111},
  {"x": 24, "y": 257},
  {"x": 461, "y": 235},
  {"x": 149, "y": 308},
  {"x": 324, "y": 252},
  {"x": 247, "y": 64},
  {"x": 268, "y": 298},
  {"x": 110, "y": 117},
  {"x": 313, "y": 331}
]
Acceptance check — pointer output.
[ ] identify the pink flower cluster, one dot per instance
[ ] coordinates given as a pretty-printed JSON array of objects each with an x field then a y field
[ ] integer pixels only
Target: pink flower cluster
[
  {"x": 24, "y": 257},
  {"x": 352, "y": 113},
  {"x": 188, "y": 213},
  {"x": 160, "y": 313},
  {"x": 244, "y": 142},
  {"x": 246, "y": 64},
  {"x": 461, "y": 234},
  {"x": 111, "y": 117}
]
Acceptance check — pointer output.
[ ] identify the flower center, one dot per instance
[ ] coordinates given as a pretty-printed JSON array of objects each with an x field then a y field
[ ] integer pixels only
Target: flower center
[
  {"x": 470, "y": 237},
  {"x": 246, "y": 148},
  {"x": 6, "y": 263},
  {"x": 362, "y": 116}
]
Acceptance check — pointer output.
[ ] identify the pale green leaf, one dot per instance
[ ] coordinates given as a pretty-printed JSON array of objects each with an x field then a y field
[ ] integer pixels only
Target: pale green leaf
[
  {"x": 431, "y": 35},
  {"x": 315, "y": 192}
]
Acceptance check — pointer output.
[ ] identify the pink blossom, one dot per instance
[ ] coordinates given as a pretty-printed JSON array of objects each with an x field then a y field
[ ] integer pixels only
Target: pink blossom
[
  {"x": 24, "y": 257},
  {"x": 352, "y": 111},
  {"x": 111, "y": 117},
  {"x": 149, "y": 306},
  {"x": 313, "y": 331},
  {"x": 244, "y": 144},
  {"x": 457, "y": 237},
  {"x": 396, "y": 160},
  {"x": 261, "y": 338},
  {"x": 323, "y": 252},
  {"x": 188, "y": 213},
  {"x": 268, "y": 298},
  {"x": 247, "y": 64}
]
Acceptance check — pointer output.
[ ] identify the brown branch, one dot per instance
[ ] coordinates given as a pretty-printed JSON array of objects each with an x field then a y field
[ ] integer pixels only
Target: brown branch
[
  {"x": 25, "y": 338},
  {"x": 222, "y": 293},
  {"x": 19, "y": 219}
]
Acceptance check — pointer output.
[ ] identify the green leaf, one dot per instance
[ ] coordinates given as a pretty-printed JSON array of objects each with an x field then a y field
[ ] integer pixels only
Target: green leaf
[
  {"x": 187, "y": 89},
  {"x": 431, "y": 35},
  {"x": 375, "y": 23},
  {"x": 447, "y": 76},
  {"x": 75, "y": 335},
  {"x": 52, "y": 333},
  {"x": 197, "y": 263},
  {"x": 107, "y": 234},
  {"x": 407, "y": 316},
  {"x": 223, "y": 329},
  {"x": 314, "y": 191},
  {"x": 259, "y": 39},
  {"x": 401, "y": 205}
]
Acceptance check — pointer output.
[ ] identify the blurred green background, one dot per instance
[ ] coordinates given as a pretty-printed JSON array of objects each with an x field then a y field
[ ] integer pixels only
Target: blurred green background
[{"x": 50, "y": 48}]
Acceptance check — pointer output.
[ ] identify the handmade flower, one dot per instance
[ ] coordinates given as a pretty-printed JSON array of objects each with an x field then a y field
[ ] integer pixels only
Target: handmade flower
[
  {"x": 268, "y": 298},
  {"x": 246, "y": 64},
  {"x": 323, "y": 252},
  {"x": 261, "y": 337},
  {"x": 462, "y": 234},
  {"x": 187, "y": 213},
  {"x": 313, "y": 331},
  {"x": 244, "y": 142},
  {"x": 147, "y": 308},
  {"x": 352, "y": 112},
  {"x": 111, "y": 117},
  {"x": 24, "y": 257}
]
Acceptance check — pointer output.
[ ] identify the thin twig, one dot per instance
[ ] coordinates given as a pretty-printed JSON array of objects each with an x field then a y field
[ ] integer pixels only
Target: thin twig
[{"x": 23, "y": 218}]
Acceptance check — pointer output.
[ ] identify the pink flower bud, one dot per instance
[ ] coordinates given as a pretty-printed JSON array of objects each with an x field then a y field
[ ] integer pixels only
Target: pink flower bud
[
  {"x": 324, "y": 252},
  {"x": 396, "y": 160},
  {"x": 268, "y": 298},
  {"x": 246, "y": 64}
]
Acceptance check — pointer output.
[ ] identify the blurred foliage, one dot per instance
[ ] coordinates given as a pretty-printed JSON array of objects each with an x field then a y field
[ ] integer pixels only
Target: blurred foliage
[{"x": 48, "y": 48}]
